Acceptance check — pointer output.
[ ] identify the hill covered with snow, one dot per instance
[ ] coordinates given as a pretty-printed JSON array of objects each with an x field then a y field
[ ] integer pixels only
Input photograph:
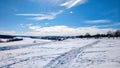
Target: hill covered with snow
[{"x": 70, "y": 53}]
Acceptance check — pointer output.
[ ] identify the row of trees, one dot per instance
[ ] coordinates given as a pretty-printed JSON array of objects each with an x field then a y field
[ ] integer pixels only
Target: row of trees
[
  {"x": 109, "y": 35},
  {"x": 11, "y": 40}
]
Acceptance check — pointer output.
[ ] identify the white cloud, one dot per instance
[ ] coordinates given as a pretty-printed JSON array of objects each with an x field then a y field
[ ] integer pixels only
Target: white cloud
[
  {"x": 35, "y": 28},
  {"x": 39, "y": 17},
  {"x": 51, "y": 2},
  {"x": 97, "y": 21},
  {"x": 71, "y": 3},
  {"x": 52, "y": 15},
  {"x": 64, "y": 30},
  {"x": 63, "y": 3},
  {"x": 4, "y": 32}
]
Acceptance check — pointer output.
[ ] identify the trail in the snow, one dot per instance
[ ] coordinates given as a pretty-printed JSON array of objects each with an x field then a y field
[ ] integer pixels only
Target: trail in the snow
[
  {"x": 65, "y": 60},
  {"x": 20, "y": 61},
  {"x": 8, "y": 66},
  {"x": 20, "y": 46}
]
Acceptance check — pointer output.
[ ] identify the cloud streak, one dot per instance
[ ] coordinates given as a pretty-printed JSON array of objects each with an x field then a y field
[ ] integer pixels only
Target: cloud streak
[
  {"x": 50, "y": 16},
  {"x": 4, "y": 32},
  {"x": 65, "y": 30},
  {"x": 39, "y": 17},
  {"x": 71, "y": 3},
  {"x": 109, "y": 25},
  {"x": 97, "y": 21}
]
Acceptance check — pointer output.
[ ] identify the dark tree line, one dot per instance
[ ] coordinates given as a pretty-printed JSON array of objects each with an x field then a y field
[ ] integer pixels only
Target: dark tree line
[{"x": 110, "y": 34}]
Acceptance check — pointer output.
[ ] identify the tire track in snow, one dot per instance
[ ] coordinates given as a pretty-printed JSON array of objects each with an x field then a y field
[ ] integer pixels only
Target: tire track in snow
[
  {"x": 8, "y": 66},
  {"x": 20, "y": 46},
  {"x": 64, "y": 60}
]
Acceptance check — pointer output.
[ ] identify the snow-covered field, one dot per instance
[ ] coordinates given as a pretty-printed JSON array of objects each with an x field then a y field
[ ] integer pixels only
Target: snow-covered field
[{"x": 70, "y": 53}]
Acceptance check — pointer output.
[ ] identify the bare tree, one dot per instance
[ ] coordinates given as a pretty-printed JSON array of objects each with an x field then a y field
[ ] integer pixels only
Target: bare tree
[{"x": 117, "y": 33}]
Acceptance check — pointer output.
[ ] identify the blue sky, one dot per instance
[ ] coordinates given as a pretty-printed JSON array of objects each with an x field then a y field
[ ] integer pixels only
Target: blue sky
[{"x": 58, "y": 17}]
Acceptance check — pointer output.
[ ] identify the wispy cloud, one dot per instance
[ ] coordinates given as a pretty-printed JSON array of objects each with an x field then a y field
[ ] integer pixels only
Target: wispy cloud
[
  {"x": 52, "y": 15},
  {"x": 65, "y": 30},
  {"x": 51, "y": 2},
  {"x": 109, "y": 25},
  {"x": 72, "y": 3},
  {"x": 63, "y": 3},
  {"x": 39, "y": 17},
  {"x": 97, "y": 21},
  {"x": 35, "y": 28},
  {"x": 5, "y": 32}
]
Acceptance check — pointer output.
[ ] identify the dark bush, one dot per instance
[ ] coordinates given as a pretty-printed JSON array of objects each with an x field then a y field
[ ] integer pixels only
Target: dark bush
[{"x": 14, "y": 39}]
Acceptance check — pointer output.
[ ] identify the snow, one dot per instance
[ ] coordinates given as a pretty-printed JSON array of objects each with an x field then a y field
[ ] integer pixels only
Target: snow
[
  {"x": 4, "y": 40},
  {"x": 105, "y": 54},
  {"x": 23, "y": 42},
  {"x": 70, "y": 53}
]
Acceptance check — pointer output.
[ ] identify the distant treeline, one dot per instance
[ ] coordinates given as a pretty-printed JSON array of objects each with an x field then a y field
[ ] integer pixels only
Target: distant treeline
[
  {"x": 11, "y": 40},
  {"x": 109, "y": 34},
  {"x": 6, "y": 36}
]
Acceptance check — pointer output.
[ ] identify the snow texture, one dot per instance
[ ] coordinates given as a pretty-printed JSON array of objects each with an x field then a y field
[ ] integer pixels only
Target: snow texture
[{"x": 70, "y": 53}]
